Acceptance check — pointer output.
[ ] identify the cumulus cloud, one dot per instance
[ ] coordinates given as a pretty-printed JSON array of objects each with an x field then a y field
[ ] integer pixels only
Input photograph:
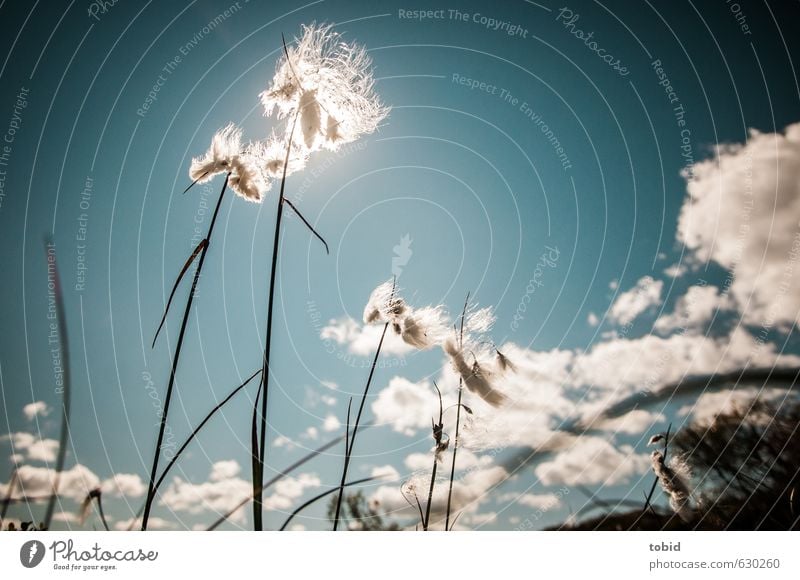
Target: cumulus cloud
[
  {"x": 224, "y": 490},
  {"x": 405, "y": 405},
  {"x": 287, "y": 490},
  {"x": 386, "y": 472},
  {"x": 153, "y": 523},
  {"x": 361, "y": 339},
  {"x": 31, "y": 447},
  {"x": 592, "y": 460},
  {"x": 542, "y": 501},
  {"x": 630, "y": 304},
  {"x": 35, "y": 409},
  {"x": 75, "y": 483},
  {"x": 331, "y": 423},
  {"x": 693, "y": 310},
  {"x": 634, "y": 422},
  {"x": 222, "y": 470},
  {"x": 708, "y": 405},
  {"x": 742, "y": 212},
  {"x": 124, "y": 484},
  {"x": 218, "y": 494}
]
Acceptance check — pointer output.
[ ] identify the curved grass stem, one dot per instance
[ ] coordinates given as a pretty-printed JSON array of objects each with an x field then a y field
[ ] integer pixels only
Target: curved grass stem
[{"x": 171, "y": 385}]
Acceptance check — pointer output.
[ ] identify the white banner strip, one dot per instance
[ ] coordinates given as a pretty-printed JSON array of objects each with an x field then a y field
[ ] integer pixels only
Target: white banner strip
[{"x": 387, "y": 555}]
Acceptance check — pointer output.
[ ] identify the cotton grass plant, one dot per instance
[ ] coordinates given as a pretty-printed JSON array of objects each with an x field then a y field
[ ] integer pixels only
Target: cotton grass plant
[
  {"x": 325, "y": 86},
  {"x": 420, "y": 329},
  {"x": 322, "y": 87}
]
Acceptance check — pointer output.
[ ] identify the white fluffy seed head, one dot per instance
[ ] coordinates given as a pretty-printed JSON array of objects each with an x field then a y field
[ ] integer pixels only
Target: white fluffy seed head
[
  {"x": 274, "y": 157},
  {"x": 381, "y": 304},
  {"x": 674, "y": 479},
  {"x": 329, "y": 83},
  {"x": 478, "y": 378},
  {"x": 226, "y": 145},
  {"x": 424, "y": 327}
]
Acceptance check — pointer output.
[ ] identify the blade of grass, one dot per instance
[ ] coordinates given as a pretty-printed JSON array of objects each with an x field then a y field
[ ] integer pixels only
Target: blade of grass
[
  {"x": 440, "y": 426},
  {"x": 322, "y": 495},
  {"x": 349, "y": 449},
  {"x": 308, "y": 225},
  {"x": 200, "y": 247},
  {"x": 173, "y": 371},
  {"x": 101, "y": 512},
  {"x": 346, "y": 450},
  {"x": 258, "y": 472},
  {"x": 458, "y": 423},
  {"x": 192, "y": 184},
  {"x": 66, "y": 396},
  {"x": 7, "y": 500},
  {"x": 200, "y": 426}
]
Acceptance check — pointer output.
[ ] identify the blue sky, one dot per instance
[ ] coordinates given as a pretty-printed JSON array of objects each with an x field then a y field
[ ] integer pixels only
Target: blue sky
[{"x": 464, "y": 167}]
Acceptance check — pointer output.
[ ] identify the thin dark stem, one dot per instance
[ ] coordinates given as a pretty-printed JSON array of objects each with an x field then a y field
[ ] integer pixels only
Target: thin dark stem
[
  {"x": 430, "y": 498},
  {"x": 173, "y": 371},
  {"x": 349, "y": 450},
  {"x": 101, "y": 512},
  {"x": 67, "y": 385},
  {"x": 308, "y": 224},
  {"x": 437, "y": 436},
  {"x": 199, "y": 427},
  {"x": 458, "y": 423},
  {"x": 316, "y": 498},
  {"x": 258, "y": 524},
  {"x": 203, "y": 243},
  {"x": 346, "y": 449},
  {"x": 7, "y": 500}
]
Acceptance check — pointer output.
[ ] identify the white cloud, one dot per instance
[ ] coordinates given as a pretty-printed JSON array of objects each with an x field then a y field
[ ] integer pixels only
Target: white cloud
[
  {"x": 361, "y": 339},
  {"x": 283, "y": 441},
  {"x": 543, "y": 501},
  {"x": 124, "y": 484},
  {"x": 676, "y": 270},
  {"x": 36, "y": 409},
  {"x": 742, "y": 212},
  {"x": 287, "y": 490},
  {"x": 311, "y": 433},
  {"x": 217, "y": 495},
  {"x": 331, "y": 423},
  {"x": 466, "y": 460},
  {"x": 708, "y": 405},
  {"x": 33, "y": 448},
  {"x": 630, "y": 304},
  {"x": 222, "y": 470},
  {"x": 635, "y": 422},
  {"x": 75, "y": 483},
  {"x": 693, "y": 310},
  {"x": 623, "y": 366},
  {"x": 386, "y": 472},
  {"x": 592, "y": 319},
  {"x": 592, "y": 460},
  {"x": 224, "y": 490},
  {"x": 153, "y": 523},
  {"x": 406, "y": 406},
  {"x": 67, "y": 517}
]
